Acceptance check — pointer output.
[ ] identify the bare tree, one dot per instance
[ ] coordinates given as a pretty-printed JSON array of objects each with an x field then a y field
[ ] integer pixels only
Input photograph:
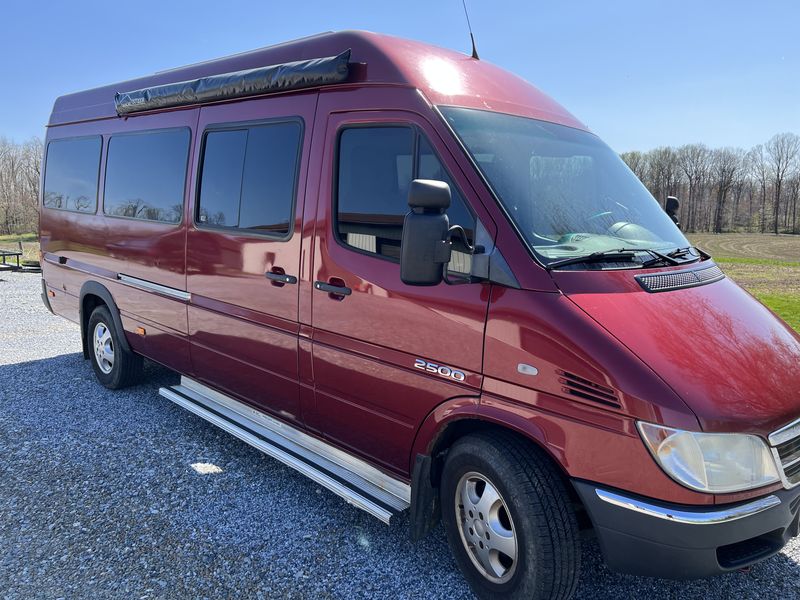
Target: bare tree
[
  {"x": 693, "y": 160},
  {"x": 782, "y": 151},
  {"x": 19, "y": 185},
  {"x": 759, "y": 168},
  {"x": 664, "y": 172},
  {"x": 793, "y": 186},
  {"x": 637, "y": 162},
  {"x": 725, "y": 164}
]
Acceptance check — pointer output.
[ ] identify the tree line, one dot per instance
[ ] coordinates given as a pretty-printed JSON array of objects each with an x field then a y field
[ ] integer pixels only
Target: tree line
[
  {"x": 727, "y": 189},
  {"x": 720, "y": 189},
  {"x": 20, "y": 166}
]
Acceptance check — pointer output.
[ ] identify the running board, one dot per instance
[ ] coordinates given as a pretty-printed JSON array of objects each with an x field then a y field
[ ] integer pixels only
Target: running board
[{"x": 355, "y": 480}]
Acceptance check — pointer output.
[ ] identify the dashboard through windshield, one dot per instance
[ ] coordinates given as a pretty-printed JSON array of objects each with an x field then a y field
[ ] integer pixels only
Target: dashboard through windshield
[{"x": 568, "y": 193}]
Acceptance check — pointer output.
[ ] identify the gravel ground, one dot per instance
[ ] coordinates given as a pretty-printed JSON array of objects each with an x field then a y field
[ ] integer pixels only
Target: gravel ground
[{"x": 98, "y": 498}]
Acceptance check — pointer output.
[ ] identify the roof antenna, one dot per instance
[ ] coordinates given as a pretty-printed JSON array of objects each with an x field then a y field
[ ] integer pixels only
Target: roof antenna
[{"x": 472, "y": 37}]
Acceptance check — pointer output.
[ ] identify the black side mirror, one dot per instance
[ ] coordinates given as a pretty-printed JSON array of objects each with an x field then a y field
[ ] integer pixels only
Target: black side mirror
[
  {"x": 425, "y": 245},
  {"x": 671, "y": 207}
]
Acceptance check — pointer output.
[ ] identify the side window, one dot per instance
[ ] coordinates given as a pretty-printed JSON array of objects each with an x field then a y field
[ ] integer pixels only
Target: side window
[
  {"x": 146, "y": 175},
  {"x": 375, "y": 168},
  {"x": 72, "y": 168},
  {"x": 248, "y": 178}
]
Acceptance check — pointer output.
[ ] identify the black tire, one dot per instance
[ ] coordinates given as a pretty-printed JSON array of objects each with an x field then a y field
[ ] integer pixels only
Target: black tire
[
  {"x": 126, "y": 368},
  {"x": 547, "y": 564}
]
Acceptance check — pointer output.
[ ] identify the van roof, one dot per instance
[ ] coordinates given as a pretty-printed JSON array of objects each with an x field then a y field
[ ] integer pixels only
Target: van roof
[{"x": 444, "y": 76}]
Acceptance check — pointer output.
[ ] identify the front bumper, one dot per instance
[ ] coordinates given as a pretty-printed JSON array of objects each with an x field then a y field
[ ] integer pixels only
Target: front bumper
[{"x": 658, "y": 539}]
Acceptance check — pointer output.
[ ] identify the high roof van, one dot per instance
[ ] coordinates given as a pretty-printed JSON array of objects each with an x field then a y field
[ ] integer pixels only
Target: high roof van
[{"x": 422, "y": 283}]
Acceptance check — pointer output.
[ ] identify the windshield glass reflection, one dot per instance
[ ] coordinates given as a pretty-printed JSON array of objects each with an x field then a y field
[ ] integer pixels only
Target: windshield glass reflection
[{"x": 568, "y": 193}]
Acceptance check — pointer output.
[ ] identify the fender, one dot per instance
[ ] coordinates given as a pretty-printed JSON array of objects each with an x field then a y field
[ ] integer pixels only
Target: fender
[
  {"x": 460, "y": 407},
  {"x": 510, "y": 416},
  {"x": 425, "y": 510},
  {"x": 524, "y": 421},
  {"x": 97, "y": 289},
  {"x": 427, "y": 460}
]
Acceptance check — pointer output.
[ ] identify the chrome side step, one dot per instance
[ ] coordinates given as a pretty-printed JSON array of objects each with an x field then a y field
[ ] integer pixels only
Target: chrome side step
[{"x": 353, "y": 479}]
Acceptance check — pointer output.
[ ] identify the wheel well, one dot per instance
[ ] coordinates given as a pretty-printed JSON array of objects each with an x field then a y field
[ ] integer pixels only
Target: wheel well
[
  {"x": 462, "y": 427},
  {"x": 88, "y": 303}
]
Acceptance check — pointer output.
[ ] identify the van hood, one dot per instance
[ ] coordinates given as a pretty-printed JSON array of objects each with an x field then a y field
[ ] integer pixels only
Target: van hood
[{"x": 730, "y": 359}]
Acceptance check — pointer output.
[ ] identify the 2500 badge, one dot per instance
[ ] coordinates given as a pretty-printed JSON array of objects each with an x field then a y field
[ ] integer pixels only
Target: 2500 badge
[{"x": 442, "y": 370}]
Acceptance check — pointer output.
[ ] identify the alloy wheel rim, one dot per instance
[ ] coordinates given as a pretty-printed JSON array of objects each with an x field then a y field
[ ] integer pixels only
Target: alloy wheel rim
[
  {"x": 103, "y": 347},
  {"x": 486, "y": 528}
]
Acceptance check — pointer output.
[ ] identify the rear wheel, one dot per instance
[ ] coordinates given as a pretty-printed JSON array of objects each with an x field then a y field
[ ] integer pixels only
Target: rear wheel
[
  {"x": 114, "y": 366},
  {"x": 508, "y": 519}
]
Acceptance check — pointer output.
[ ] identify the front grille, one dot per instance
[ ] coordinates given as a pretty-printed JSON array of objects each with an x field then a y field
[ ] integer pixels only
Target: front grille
[
  {"x": 579, "y": 387},
  {"x": 676, "y": 280},
  {"x": 786, "y": 448}
]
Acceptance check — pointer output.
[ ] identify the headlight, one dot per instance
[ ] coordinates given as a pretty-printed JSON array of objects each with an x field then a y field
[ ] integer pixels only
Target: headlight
[{"x": 716, "y": 463}]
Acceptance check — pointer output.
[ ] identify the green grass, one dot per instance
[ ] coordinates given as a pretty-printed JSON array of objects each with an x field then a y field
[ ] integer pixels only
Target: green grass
[
  {"x": 29, "y": 241},
  {"x": 19, "y": 237},
  {"x": 776, "y": 283},
  {"x": 787, "y": 307},
  {"x": 755, "y": 261}
]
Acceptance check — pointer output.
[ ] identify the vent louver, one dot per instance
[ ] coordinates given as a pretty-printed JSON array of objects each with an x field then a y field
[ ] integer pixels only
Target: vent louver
[
  {"x": 676, "y": 280},
  {"x": 579, "y": 387}
]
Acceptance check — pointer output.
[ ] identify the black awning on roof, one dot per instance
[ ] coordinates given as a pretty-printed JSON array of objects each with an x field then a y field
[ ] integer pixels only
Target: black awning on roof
[{"x": 274, "y": 78}]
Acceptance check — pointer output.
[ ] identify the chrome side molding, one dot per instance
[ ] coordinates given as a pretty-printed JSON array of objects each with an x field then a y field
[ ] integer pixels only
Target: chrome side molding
[
  {"x": 690, "y": 516},
  {"x": 355, "y": 480},
  {"x": 155, "y": 287}
]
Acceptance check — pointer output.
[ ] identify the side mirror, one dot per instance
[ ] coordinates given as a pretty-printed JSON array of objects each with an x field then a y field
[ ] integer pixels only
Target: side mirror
[
  {"x": 425, "y": 245},
  {"x": 671, "y": 207}
]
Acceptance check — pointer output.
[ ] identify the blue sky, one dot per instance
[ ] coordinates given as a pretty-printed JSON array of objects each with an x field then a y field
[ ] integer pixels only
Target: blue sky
[{"x": 640, "y": 74}]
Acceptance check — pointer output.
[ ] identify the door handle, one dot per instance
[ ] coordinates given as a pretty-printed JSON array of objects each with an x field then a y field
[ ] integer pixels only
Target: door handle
[
  {"x": 279, "y": 278},
  {"x": 335, "y": 291}
]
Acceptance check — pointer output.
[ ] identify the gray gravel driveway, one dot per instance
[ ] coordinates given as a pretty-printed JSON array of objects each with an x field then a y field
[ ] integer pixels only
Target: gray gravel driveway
[{"x": 98, "y": 498}]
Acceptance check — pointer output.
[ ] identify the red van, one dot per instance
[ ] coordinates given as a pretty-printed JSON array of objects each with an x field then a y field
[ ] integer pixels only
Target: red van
[{"x": 414, "y": 278}]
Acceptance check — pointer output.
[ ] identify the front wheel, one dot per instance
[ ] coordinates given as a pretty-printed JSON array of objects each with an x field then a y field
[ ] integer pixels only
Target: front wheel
[
  {"x": 114, "y": 366},
  {"x": 508, "y": 519}
]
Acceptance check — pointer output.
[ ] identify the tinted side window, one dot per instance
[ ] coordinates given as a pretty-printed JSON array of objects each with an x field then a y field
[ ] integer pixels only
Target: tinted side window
[
  {"x": 376, "y": 166},
  {"x": 221, "y": 179},
  {"x": 146, "y": 175},
  {"x": 375, "y": 170},
  {"x": 248, "y": 178},
  {"x": 71, "y": 171}
]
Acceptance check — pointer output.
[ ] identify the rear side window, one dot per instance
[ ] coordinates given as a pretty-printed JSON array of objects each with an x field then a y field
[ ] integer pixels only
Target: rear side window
[
  {"x": 72, "y": 168},
  {"x": 248, "y": 178},
  {"x": 146, "y": 175},
  {"x": 376, "y": 167}
]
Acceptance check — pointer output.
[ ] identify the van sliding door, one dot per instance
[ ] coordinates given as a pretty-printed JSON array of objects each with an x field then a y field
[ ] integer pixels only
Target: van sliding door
[{"x": 243, "y": 248}]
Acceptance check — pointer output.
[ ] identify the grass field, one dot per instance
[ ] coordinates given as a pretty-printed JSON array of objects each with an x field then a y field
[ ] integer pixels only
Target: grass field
[
  {"x": 768, "y": 266},
  {"x": 30, "y": 244}
]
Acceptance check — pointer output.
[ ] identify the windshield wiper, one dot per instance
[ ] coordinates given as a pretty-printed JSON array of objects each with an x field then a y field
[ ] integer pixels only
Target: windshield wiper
[
  {"x": 680, "y": 252},
  {"x": 609, "y": 255}
]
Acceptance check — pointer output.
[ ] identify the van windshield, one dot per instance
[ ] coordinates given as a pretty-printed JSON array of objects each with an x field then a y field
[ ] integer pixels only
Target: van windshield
[{"x": 568, "y": 193}]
